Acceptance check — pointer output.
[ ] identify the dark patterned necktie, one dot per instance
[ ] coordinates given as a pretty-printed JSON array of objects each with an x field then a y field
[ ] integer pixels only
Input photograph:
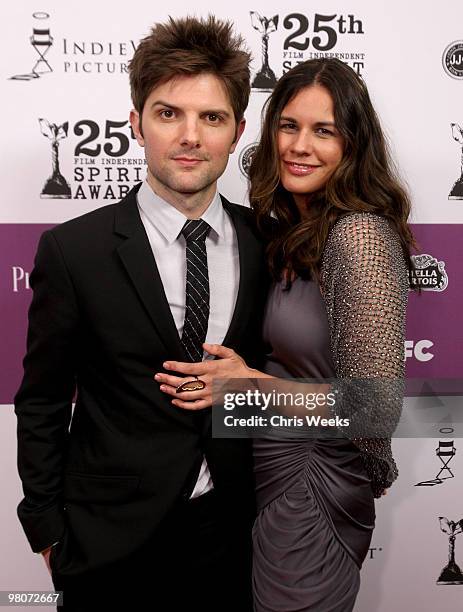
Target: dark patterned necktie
[{"x": 197, "y": 289}]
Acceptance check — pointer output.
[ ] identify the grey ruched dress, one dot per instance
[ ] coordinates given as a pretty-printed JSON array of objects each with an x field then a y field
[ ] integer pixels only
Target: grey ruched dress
[{"x": 315, "y": 497}]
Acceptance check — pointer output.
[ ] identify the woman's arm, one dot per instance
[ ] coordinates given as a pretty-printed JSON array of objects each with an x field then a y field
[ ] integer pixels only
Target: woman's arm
[{"x": 364, "y": 280}]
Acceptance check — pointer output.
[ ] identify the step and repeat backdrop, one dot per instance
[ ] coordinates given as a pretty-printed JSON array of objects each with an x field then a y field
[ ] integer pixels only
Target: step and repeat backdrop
[{"x": 67, "y": 148}]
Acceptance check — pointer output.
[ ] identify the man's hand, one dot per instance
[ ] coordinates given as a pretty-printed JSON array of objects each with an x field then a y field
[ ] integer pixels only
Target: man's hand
[
  {"x": 46, "y": 556},
  {"x": 227, "y": 365}
]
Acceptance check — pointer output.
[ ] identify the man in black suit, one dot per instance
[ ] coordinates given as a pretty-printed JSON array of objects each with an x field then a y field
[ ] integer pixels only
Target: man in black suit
[{"x": 132, "y": 498}]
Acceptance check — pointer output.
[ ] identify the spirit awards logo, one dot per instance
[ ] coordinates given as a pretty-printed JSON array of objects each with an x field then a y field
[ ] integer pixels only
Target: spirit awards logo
[
  {"x": 428, "y": 273},
  {"x": 104, "y": 166},
  {"x": 41, "y": 41},
  {"x": 265, "y": 79},
  {"x": 56, "y": 185},
  {"x": 245, "y": 159},
  {"x": 456, "y": 192},
  {"x": 451, "y": 574},
  {"x": 452, "y": 59},
  {"x": 446, "y": 451},
  {"x": 309, "y": 36}
]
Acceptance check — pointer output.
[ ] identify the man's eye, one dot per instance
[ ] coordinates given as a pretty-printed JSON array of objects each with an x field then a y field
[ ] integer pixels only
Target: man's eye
[
  {"x": 167, "y": 114},
  {"x": 212, "y": 118}
]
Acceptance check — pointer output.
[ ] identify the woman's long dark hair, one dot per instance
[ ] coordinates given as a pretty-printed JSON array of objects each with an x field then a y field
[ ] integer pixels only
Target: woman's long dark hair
[{"x": 364, "y": 181}]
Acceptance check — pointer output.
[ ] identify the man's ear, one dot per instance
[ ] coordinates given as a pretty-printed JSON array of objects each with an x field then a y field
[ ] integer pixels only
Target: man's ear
[
  {"x": 239, "y": 130},
  {"x": 135, "y": 122}
]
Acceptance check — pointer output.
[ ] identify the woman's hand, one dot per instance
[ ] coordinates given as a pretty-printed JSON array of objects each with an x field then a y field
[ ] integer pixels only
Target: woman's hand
[{"x": 228, "y": 365}]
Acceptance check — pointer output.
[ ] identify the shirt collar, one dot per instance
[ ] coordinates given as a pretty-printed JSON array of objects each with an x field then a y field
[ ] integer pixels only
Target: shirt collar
[{"x": 169, "y": 221}]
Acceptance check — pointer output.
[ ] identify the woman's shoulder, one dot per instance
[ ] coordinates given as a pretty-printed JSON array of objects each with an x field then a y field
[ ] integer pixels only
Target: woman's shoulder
[
  {"x": 360, "y": 231},
  {"x": 360, "y": 223},
  {"x": 364, "y": 245}
]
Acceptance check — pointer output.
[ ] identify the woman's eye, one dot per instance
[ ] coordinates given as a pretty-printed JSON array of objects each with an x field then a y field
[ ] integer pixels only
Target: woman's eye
[
  {"x": 324, "y": 132},
  {"x": 288, "y": 126}
]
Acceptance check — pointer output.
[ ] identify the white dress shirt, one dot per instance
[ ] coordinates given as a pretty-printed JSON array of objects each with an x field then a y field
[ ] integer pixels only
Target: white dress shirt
[{"x": 163, "y": 224}]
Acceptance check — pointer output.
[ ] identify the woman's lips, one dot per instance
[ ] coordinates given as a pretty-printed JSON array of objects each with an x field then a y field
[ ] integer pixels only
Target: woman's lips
[{"x": 300, "y": 169}]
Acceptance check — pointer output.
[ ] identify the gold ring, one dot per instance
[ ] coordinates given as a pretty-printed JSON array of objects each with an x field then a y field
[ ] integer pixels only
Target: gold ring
[{"x": 191, "y": 385}]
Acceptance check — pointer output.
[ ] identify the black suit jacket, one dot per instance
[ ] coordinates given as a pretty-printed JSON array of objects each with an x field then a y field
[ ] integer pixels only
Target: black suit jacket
[{"x": 100, "y": 324}]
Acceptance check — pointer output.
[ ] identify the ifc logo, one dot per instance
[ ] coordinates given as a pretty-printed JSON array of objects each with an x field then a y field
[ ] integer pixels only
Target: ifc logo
[
  {"x": 452, "y": 59},
  {"x": 246, "y": 158}
]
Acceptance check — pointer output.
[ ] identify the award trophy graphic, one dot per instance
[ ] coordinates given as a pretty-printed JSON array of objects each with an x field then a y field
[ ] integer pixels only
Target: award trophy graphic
[
  {"x": 457, "y": 189},
  {"x": 451, "y": 574},
  {"x": 56, "y": 186},
  {"x": 41, "y": 40},
  {"x": 265, "y": 79}
]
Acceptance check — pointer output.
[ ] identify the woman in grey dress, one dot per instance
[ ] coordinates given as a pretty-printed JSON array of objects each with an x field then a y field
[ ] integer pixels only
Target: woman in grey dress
[{"x": 335, "y": 220}]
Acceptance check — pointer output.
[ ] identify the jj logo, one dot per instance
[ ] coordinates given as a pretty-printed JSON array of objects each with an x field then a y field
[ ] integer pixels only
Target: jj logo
[
  {"x": 451, "y": 574},
  {"x": 41, "y": 41},
  {"x": 457, "y": 190},
  {"x": 265, "y": 79},
  {"x": 56, "y": 186},
  {"x": 452, "y": 59}
]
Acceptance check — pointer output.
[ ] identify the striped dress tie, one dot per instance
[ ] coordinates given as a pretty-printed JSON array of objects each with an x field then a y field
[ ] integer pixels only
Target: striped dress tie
[{"x": 197, "y": 289}]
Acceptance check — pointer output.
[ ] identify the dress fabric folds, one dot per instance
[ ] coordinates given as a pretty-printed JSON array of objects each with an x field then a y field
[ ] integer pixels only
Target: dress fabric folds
[{"x": 314, "y": 526}]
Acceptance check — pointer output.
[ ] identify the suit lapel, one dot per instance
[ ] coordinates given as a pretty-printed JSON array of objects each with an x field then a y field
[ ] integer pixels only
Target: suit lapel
[
  {"x": 138, "y": 260},
  {"x": 249, "y": 256},
  {"x": 137, "y": 257}
]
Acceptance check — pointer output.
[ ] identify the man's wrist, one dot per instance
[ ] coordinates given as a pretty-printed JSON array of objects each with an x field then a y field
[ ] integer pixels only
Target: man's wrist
[{"x": 47, "y": 548}]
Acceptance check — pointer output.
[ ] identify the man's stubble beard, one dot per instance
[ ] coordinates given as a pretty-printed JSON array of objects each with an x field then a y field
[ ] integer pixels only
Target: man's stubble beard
[{"x": 176, "y": 184}]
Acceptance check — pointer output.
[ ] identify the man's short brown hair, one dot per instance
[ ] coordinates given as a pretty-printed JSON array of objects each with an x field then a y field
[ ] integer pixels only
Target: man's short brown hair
[{"x": 190, "y": 46}]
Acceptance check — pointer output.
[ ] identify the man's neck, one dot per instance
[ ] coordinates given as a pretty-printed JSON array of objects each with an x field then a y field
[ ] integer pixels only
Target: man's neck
[{"x": 192, "y": 205}]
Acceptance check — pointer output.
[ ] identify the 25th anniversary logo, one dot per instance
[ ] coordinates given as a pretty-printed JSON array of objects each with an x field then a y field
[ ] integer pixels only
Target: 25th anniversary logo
[
  {"x": 307, "y": 36},
  {"x": 102, "y": 169}
]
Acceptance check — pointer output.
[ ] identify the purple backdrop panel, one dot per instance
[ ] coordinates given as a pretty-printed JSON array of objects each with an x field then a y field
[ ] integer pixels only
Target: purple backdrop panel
[
  {"x": 434, "y": 331},
  {"x": 18, "y": 244},
  {"x": 434, "y": 319}
]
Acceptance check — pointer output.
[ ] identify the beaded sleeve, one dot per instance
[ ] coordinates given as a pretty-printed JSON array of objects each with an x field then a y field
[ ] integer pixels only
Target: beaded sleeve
[{"x": 364, "y": 281}]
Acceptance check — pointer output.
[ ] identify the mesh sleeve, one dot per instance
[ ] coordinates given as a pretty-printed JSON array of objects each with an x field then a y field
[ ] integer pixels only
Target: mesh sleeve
[{"x": 364, "y": 280}]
